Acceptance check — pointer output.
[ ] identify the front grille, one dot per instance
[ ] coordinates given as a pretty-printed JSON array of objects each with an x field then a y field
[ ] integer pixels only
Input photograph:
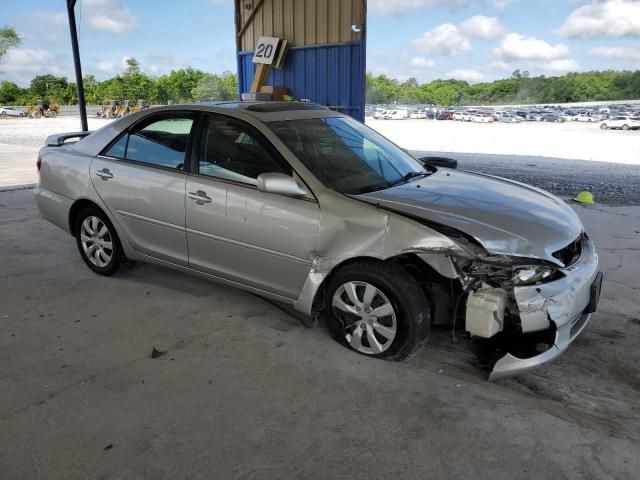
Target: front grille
[{"x": 571, "y": 253}]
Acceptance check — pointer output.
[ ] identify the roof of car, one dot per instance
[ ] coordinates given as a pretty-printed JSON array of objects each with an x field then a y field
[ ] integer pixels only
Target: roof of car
[{"x": 268, "y": 111}]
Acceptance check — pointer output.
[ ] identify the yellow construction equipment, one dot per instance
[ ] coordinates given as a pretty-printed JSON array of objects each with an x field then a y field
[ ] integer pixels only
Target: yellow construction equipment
[
  {"x": 43, "y": 108},
  {"x": 111, "y": 109},
  {"x": 137, "y": 106}
]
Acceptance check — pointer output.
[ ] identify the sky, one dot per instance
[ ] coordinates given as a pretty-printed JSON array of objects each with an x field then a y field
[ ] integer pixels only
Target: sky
[{"x": 472, "y": 40}]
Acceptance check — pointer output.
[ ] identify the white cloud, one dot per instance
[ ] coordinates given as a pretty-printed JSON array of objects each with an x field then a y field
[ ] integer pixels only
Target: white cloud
[
  {"x": 604, "y": 18},
  {"x": 480, "y": 26},
  {"x": 421, "y": 62},
  {"x": 516, "y": 47},
  {"x": 501, "y": 4},
  {"x": 399, "y": 7},
  {"x": 109, "y": 16},
  {"x": 106, "y": 66},
  {"x": 20, "y": 65},
  {"x": 446, "y": 39},
  {"x": 520, "y": 52},
  {"x": 564, "y": 65},
  {"x": 617, "y": 53},
  {"x": 466, "y": 74}
]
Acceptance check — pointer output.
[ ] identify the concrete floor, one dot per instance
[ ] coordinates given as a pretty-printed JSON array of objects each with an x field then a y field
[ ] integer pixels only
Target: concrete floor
[{"x": 244, "y": 391}]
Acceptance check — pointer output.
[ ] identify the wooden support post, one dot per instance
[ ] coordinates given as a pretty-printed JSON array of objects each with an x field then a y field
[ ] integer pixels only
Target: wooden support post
[{"x": 261, "y": 76}]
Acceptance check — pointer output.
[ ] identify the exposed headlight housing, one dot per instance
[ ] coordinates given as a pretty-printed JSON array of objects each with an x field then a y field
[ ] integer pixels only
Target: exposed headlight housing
[{"x": 530, "y": 274}]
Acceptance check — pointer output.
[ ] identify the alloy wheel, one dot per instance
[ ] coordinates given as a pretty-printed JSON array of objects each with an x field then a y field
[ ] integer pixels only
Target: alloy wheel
[
  {"x": 368, "y": 316},
  {"x": 97, "y": 241}
]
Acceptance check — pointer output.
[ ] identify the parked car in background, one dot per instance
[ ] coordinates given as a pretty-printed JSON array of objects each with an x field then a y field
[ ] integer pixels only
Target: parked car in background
[
  {"x": 553, "y": 117},
  {"x": 445, "y": 115},
  {"x": 621, "y": 123},
  {"x": 418, "y": 114},
  {"x": 313, "y": 209},
  {"x": 482, "y": 118},
  {"x": 11, "y": 112},
  {"x": 398, "y": 114},
  {"x": 586, "y": 117},
  {"x": 510, "y": 118},
  {"x": 534, "y": 116},
  {"x": 458, "y": 116}
]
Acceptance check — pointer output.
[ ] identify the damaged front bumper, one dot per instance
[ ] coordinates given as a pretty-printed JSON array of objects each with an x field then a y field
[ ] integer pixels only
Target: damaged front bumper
[{"x": 564, "y": 305}]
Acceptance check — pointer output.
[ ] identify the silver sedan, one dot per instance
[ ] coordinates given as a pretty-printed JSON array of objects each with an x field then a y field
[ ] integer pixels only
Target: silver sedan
[{"x": 311, "y": 208}]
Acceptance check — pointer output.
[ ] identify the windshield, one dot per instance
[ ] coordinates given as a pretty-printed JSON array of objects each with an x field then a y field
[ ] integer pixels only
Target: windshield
[{"x": 347, "y": 156}]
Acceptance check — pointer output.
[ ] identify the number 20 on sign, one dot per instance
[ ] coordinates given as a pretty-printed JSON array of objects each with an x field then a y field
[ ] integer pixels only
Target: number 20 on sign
[{"x": 266, "y": 50}]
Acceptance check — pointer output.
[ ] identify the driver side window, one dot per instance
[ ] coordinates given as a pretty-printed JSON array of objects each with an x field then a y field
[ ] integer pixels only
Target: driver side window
[
  {"x": 231, "y": 150},
  {"x": 162, "y": 143}
]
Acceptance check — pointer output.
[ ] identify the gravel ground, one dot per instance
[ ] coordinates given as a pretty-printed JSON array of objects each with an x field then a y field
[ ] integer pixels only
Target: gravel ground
[
  {"x": 610, "y": 183},
  {"x": 570, "y": 140}
]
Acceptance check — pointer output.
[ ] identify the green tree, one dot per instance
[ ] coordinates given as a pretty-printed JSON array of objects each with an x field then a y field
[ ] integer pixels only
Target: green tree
[
  {"x": 8, "y": 38},
  {"x": 216, "y": 87},
  {"x": 9, "y": 93}
]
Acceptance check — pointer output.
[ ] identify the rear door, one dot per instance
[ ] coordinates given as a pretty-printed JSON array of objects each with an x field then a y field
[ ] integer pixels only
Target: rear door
[
  {"x": 142, "y": 179},
  {"x": 236, "y": 231}
]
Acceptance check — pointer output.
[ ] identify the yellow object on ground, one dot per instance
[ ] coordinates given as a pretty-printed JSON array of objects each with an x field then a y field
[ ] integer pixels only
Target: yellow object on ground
[{"x": 584, "y": 197}]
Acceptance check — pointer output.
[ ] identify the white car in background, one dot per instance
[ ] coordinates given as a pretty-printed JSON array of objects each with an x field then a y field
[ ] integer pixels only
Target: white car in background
[
  {"x": 11, "y": 112},
  {"x": 418, "y": 115},
  {"x": 399, "y": 114},
  {"x": 583, "y": 117},
  {"x": 481, "y": 118},
  {"x": 458, "y": 116},
  {"x": 621, "y": 123}
]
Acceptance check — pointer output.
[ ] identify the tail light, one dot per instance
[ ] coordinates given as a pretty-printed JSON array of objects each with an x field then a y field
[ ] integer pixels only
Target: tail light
[{"x": 39, "y": 163}]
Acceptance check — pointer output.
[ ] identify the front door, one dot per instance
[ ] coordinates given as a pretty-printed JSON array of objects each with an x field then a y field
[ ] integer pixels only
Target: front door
[
  {"x": 141, "y": 179},
  {"x": 234, "y": 231}
]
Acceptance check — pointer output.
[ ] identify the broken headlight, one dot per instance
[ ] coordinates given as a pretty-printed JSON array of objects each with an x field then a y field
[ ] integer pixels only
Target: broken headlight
[{"x": 528, "y": 275}]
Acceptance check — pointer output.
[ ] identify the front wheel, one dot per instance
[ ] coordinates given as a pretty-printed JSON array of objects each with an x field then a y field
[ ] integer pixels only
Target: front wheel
[
  {"x": 378, "y": 310},
  {"x": 625, "y": 127},
  {"x": 98, "y": 242},
  {"x": 603, "y": 126}
]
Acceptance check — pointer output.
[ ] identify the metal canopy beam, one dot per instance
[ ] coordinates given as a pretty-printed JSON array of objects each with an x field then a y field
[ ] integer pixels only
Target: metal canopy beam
[{"x": 71, "y": 4}]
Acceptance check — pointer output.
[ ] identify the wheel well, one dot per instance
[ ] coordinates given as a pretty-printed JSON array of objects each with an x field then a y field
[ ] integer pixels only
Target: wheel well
[
  {"x": 423, "y": 274},
  {"x": 76, "y": 208}
]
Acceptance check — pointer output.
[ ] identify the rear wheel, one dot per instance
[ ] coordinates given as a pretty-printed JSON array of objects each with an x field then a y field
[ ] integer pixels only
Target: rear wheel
[
  {"x": 378, "y": 310},
  {"x": 52, "y": 114},
  {"x": 625, "y": 127},
  {"x": 36, "y": 114},
  {"x": 604, "y": 126},
  {"x": 98, "y": 242}
]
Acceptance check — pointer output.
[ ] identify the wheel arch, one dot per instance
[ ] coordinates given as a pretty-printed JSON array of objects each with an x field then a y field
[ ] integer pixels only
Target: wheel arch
[
  {"x": 419, "y": 269},
  {"x": 77, "y": 207}
]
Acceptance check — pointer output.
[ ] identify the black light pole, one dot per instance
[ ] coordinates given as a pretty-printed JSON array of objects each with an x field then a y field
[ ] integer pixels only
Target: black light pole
[{"x": 71, "y": 4}]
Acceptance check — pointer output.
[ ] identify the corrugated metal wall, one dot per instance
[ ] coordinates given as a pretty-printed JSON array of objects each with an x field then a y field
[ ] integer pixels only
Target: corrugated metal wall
[
  {"x": 327, "y": 74},
  {"x": 326, "y": 63},
  {"x": 302, "y": 22}
]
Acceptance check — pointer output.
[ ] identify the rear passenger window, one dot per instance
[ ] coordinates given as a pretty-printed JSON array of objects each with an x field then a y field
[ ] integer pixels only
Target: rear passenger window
[
  {"x": 119, "y": 148},
  {"x": 163, "y": 143},
  {"x": 231, "y": 150}
]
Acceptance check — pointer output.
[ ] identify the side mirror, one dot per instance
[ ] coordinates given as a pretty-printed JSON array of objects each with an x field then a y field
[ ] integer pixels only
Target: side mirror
[
  {"x": 281, "y": 184},
  {"x": 439, "y": 162}
]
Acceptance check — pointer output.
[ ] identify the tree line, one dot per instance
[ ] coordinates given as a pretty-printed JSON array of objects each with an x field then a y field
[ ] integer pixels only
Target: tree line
[
  {"x": 180, "y": 86},
  {"x": 520, "y": 88},
  {"x": 193, "y": 85}
]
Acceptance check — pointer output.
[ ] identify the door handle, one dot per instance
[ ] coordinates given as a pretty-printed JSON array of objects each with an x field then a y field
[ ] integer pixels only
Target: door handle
[
  {"x": 104, "y": 174},
  {"x": 200, "y": 197}
]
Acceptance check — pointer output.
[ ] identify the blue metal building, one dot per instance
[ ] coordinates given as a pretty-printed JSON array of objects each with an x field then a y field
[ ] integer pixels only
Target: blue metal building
[{"x": 326, "y": 60}]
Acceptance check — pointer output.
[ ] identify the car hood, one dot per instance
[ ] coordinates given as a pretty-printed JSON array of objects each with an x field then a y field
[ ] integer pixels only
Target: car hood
[{"x": 505, "y": 217}]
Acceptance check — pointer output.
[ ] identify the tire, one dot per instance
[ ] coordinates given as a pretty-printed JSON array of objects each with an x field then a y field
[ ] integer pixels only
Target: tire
[
  {"x": 399, "y": 335},
  {"x": 604, "y": 126},
  {"x": 52, "y": 114},
  {"x": 4, "y": 114},
  {"x": 625, "y": 127},
  {"x": 36, "y": 114},
  {"x": 110, "y": 257}
]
